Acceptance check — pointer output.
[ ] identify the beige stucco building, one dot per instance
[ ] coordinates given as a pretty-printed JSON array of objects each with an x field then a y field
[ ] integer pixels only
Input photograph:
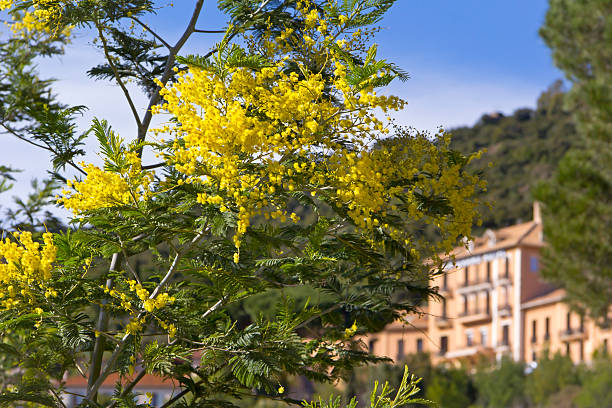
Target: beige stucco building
[{"x": 494, "y": 303}]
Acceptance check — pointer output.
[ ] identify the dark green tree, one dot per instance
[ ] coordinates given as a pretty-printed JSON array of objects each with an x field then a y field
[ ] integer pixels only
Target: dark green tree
[
  {"x": 550, "y": 377},
  {"x": 596, "y": 390},
  {"x": 578, "y": 200},
  {"x": 451, "y": 387},
  {"x": 523, "y": 148},
  {"x": 501, "y": 386}
]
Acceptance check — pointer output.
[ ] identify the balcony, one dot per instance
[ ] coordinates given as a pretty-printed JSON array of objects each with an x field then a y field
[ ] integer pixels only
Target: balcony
[
  {"x": 504, "y": 311},
  {"x": 503, "y": 280},
  {"x": 570, "y": 334},
  {"x": 502, "y": 346},
  {"x": 443, "y": 322},
  {"x": 474, "y": 316},
  {"x": 476, "y": 285},
  {"x": 467, "y": 352}
]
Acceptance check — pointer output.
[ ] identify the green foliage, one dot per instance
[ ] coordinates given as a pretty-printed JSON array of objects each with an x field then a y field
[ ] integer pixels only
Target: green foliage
[
  {"x": 578, "y": 200},
  {"x": 551, "y": 375},
  {"x": 523, "y": 148},
  {"x": 596, "y": 390},
  {"x": 32, "y": 213},
  {"x": 382, "y": 397},
  {"x": 234, "y": 328},
  {"x": 502, "y": 385},
  {"x": 451, "y": 387}
]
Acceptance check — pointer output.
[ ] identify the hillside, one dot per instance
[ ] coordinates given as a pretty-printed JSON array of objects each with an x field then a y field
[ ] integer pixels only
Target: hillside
[{"x": 524, "y": 148}]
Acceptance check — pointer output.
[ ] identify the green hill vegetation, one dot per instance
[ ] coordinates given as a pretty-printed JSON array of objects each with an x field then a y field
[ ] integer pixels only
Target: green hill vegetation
[{"x": 523, "y": 148}]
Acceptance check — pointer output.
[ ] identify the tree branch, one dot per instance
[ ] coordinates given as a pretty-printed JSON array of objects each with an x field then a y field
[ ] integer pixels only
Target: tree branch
[
  {"x": 109, "y": 58},
  {"x": 209, "y": 31},
  {"x": 153, "y": 33},
  {"x": 146, "y": 121},
  {"x": 23, "y": 138},
  {"x": 101, "y": 326},
  {"x": 113, "y": 358},
  {"x": 130, "y": 387}
]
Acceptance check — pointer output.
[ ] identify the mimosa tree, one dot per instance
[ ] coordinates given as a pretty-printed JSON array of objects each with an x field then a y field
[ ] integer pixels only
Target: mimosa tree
[{"x": 276, "y": 168}]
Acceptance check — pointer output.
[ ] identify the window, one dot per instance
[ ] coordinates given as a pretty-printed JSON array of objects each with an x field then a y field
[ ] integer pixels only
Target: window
[
  {"x": 371, "y": 345},
  {"x": 483, "y": 336},
  {"x": 534, "y": 357},
  {"x": 444, "y": 309},
  {"x": 605, "y": 346},
  {"x": 469, "y": 338},
  {"x": 533, "y": 264},
  {"x": 581, "y": 350},
  {"x": 581, "y": 324},
  {"x": 505, "y": 335},
  {"x": 465, "y": 304},
  {"x": 507, "y": 271},
  {"x": 443, "y": 345},
  {"x": 445, "y": 282},
  {"x": 547, "y": 328},
  {"x": 488, "y": 271},
  {"x": 568, "y": 320},
  {"x": 488, "y": 302},
  {"x": 419, "y": 345},
  {"x": 534, "y": 336},
  {"x": 567, "y": 349},
  {"x": 467, "y": 275},
  {"x": 400, "y": 350}
]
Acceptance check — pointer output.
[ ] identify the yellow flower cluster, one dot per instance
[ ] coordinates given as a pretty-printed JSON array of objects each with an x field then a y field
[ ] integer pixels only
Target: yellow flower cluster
[
  {"x": 38, "y": 16},
  {"x": 148, "y": 304},
  {"x": 136, "y": 323},
  {"x": 254, "y": 136},
  {"x": 26, "y": 264},
  {"x": 102, "y": 188}
]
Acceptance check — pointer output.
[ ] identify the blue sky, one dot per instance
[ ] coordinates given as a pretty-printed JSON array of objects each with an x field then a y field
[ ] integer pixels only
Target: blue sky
[{"x": 465, "y": 58}]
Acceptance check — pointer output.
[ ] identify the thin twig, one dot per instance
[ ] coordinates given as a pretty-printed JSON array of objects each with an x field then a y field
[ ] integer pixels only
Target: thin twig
[
  {"x": 209, "y": 31},
  {"x": 152, "y": 166},
  {"x": 179, "y": 396},
  {"x": 146, "y": 27},
  {"x": 130, "y": 387},
  {"x": 23, "y": 138},
  {"x": 148, "y": 116},
  {"x": 109, "y": 58},
  {"x": 213, "y": 307},
  {"x": 113, "y": 358},
  {"x": 101, "y": 326}
]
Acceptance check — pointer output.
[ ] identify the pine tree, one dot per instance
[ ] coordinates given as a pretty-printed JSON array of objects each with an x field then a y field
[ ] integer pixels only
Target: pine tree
[{"x": 578, "y": 201}]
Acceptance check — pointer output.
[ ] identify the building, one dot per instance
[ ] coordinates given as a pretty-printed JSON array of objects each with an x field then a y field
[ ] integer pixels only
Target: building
[
  {"x": 159, "y": 389},
  {"x": 495, "y": 303}
]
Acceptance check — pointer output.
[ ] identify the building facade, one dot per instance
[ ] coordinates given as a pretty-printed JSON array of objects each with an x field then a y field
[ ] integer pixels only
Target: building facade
[{"x": 495, "y": 303}]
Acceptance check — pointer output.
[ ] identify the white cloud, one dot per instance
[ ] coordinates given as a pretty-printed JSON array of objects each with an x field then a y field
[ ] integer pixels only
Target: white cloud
[{"x": 444, "y": 99}]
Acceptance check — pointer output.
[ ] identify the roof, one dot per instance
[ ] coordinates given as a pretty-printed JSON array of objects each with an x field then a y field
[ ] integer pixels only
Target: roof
[
  {"x": 528, "y": 233},
  {"x": 554, "y": 296},
  {"x": 148, "y": 381}
]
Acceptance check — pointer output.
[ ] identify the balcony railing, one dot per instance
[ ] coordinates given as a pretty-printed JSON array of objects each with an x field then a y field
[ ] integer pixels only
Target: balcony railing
[
  {"x": 474, "y": 315},
  {"x": 504, "y": 310},
  {"x": 475, "y": 285},
  {"x": 443, "y": 321},
  {"x": 503, "y": 345},
  {"x": 570, "y": 334}
]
